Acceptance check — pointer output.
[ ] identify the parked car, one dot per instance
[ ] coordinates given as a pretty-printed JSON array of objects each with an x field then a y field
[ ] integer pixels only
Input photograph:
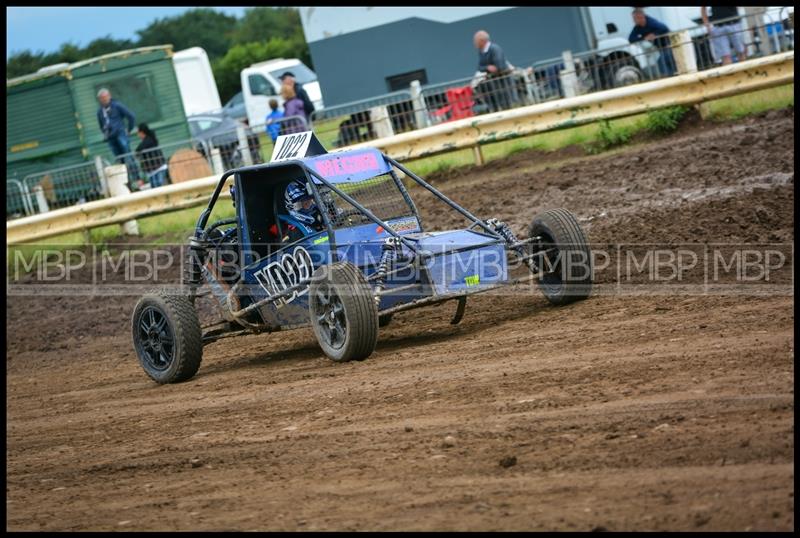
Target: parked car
[
  {"x": 218, "y": 130},
  {"x": 235, "y": 108}
]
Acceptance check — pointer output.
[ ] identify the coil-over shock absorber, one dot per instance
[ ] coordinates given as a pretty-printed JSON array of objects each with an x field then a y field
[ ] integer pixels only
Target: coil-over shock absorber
[
  {"x": 193, "y": 270},
  {"x": 506, "y": 233},
  {"x": 388, "y": 256}
]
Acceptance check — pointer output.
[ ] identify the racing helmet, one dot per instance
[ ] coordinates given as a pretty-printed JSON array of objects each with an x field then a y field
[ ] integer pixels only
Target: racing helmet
[{"x": 300, "y": 204}]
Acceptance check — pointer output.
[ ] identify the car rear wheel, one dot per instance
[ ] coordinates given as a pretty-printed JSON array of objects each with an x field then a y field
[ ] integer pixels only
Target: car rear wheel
[
  {"x": 343, "y": 312},
  {"x": 562, "y": 255}
]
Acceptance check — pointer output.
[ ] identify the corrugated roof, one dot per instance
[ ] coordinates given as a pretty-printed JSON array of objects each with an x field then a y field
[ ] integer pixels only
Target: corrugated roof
[{"x": 66, "y": 72}]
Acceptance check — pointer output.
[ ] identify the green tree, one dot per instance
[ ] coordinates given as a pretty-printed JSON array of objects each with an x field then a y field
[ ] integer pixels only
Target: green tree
[
  {"x": 24, "y": 63},
  {"x": 200, "y": 27},
  {"x": 70, "y": 52},
  {"x": 227, "y": 69},
  {"x": 106, "y": 45},
  {"x": 263, "y": 23},
  {"x": 27, "y": 62},
  {"x": 231, "y": 44}
]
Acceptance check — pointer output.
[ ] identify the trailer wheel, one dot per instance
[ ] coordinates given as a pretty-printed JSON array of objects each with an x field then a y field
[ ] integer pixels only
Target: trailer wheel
[
  {"x": 622, "y": 70},
  {"x": 562, "y": 255},
  {"x": 167, "y": 337},
  {"x": 343, "y": 312}
]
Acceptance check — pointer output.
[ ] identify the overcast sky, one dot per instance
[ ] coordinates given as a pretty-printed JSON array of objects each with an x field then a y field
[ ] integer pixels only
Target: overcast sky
[{"x": 46, "y": 28}]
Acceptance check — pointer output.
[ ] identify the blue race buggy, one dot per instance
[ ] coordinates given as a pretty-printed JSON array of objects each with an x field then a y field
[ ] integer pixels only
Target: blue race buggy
[{"x": 369, "y": 258}]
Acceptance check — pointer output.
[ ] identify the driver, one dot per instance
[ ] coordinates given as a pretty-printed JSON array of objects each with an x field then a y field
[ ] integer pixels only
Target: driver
[{"x": 304, "y": 217}]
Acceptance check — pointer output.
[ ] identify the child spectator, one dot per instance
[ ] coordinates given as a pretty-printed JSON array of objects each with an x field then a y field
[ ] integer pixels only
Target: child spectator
[{"x": 273, "y": 126}]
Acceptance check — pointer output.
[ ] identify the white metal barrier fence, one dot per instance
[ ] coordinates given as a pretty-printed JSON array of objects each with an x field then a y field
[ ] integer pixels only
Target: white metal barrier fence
[
  {"x": 689, "y": 89},
  {"x": 685, "y": 51}
]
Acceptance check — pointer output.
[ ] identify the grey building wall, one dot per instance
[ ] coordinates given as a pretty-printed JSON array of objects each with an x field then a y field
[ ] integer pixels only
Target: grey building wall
[{"x": 355, "y": 66}]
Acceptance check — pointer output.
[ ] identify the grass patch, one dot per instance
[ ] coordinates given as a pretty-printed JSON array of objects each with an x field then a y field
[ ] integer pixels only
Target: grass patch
[
  {"x": 610, "y": 136},
  {"x": 738, "y": 106},
  {"x": 665, "y": 120},
  {"x": 165, "y": 229}
]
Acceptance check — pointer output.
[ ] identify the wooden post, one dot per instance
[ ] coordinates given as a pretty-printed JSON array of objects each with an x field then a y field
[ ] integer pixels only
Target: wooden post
[
  {"x": 41, "y": 201},
  {"x": 101, "y": 174},
  {"x": 683, "y": 52},
  {"x": 244, "y": 147},
  {"x": 477, "y": 153},
  {"x": 569, "y": 78},
  {"x": 216, "y": 162},
  {"x": 418, "y": 102},
  {"x": 381, "y": 122},
  {"x": 755, "y": 19},
  {"x": 117, "y": 176}
]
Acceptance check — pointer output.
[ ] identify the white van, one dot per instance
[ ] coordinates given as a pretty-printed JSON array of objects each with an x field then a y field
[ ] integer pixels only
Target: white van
[
  {"x": 196, "y": 81},
  {"x": 260, "y": 83}
]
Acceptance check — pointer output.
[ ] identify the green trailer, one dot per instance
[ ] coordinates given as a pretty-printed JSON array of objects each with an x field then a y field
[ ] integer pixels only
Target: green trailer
[{"x": 52, "y": 118}]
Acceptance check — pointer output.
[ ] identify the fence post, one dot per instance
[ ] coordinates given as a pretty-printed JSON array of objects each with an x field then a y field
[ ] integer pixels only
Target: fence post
[
  {"x": 418, "y": 102},
  {"x": 568, "y": 76},
  {"x": 379, "y": 116},
  {"x": 683, "y": 52},
  {"x": 529, "y": 84},
  {"x": 27, "y": 202},
  {"x": 477, "y": 154},
  {"x": 101, "y": 175},
  {"x": 41, "y": 201},
  {"x": 244, "y": 147},
  {"x": 216, "y": 162},
  {"x": 117, "y": 177},
  {"x": 755, "y": 19}
]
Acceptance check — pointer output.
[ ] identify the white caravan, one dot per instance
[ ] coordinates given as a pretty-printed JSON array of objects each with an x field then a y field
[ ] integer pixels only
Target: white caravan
[{"x": 196, "y": 81}]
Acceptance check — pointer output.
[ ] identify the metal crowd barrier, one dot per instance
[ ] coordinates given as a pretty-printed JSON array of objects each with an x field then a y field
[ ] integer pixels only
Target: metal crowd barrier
[
  {"x": 682, "y": 51},
  {"x": 60, "y": 187}
]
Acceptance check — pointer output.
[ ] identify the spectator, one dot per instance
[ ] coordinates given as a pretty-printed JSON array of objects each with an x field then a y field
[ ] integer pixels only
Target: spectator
[
  {"x": 308, "y": 106},
  {"x": 111, "y": 116},
  {"x": 646, "y": 28},
  {"x": 492, "y": 61},
  {"x": 292, "y": 106},
  {"x": 725, "y": 32},
  {"x": 151, "y": 156},
  {"x": 273, "y": 125}
]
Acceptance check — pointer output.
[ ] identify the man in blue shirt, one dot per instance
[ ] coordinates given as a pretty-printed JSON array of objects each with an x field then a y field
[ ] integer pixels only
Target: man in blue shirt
[
  {"x": 649, "y": 29},
  {"x": 111, "y": 116}
]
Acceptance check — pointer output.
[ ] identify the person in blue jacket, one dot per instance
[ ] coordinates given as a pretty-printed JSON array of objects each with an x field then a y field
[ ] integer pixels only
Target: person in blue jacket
[
  {"x": 111, "y": 116},
  {"x": 647, "y": 28},
  {"x": 273, "y": 125}
]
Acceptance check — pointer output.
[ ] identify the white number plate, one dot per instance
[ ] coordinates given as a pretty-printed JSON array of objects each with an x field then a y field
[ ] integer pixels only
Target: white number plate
[{"x": 292, "y": 146}]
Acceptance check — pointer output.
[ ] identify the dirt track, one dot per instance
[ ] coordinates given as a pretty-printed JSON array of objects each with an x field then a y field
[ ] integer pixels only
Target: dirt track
[{"x": 672, "y": 411}]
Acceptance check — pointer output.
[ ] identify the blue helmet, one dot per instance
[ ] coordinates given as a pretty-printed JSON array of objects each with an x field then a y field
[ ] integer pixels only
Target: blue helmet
[{"x": 300, "y": 204}]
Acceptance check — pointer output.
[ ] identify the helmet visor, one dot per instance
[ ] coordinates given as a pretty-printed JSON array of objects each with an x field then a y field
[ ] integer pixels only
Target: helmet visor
[{"x": 305, "y": 203}]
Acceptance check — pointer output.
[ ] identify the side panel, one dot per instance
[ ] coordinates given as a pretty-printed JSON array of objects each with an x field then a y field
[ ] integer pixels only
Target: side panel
[
  {"x": 477, "y": 260},
  {"x": 289, "y": 266}
]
